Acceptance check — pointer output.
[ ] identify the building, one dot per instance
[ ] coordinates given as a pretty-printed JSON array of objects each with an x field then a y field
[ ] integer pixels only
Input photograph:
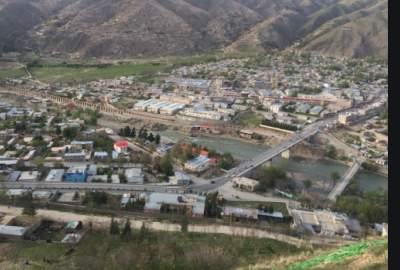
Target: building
[
  {"x": 244, "y": 183},
  {"x": 180, "y": 178},
  {"x": 101, "y": 155},
  {"x": 29, "y": 176},
  {"x": 55, "y": 175},
  {"x": 13, "y": 176},
  {"x": 81, "y": 145},
  {"x": 14, "y": 232},
  {"x": 197, "y": 164},
  {"x": 237, "y": 213},
  {"x": 189, "y": 204},
  {"x": 134, "y": 175},
  {"x": 245, "y": 133},
  {"x": 75, "y": 157},
  {"x": 76, "y": 174},
  {"x": 316, "y": 110},
  {"x": 347, "y": 118},
  {"x": 276, "y": 107},
  {"x": 203, "y": 114},
  {"x": 121, "y": 146},
  {"x": 322, "y": 222}
]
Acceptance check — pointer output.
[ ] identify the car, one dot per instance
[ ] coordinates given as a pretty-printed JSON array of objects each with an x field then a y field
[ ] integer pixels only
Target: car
[{"x": 212, "y": 182}]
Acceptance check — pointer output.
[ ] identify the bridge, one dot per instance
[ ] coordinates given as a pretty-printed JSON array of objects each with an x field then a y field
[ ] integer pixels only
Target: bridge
[
  {"x": 349, "y": 174},
  {"x": 264, "y": 157}
]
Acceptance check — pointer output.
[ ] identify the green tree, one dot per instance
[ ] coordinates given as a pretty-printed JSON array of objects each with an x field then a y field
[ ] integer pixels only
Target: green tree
[
  {"x": 127, "y": 232},
  {"x": 157, "y": 139},
  {"x": 166, "y": 165},
  {"x": 331, "y": 151},
  {"x": 307, "y": 183},
  {"x": 114, "y": 228},
  {"x": 70, "y": 133},
  {"x": 335, "y": 176},
  {"x": 29, "y": 210},
  {"x": 211, "y": 208},
  {"x": 184, "y": 223}
]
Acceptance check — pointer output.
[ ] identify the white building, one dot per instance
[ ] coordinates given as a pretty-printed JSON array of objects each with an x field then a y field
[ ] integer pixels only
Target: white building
[{"x": 197, "y": 164}]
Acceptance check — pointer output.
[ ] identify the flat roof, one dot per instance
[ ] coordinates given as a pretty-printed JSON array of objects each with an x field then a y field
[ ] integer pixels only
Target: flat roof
[{"x": 12, "y": 230}]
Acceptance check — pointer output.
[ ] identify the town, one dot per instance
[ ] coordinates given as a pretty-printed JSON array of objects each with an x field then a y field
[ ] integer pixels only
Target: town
[{"x": 103, "y": 146}]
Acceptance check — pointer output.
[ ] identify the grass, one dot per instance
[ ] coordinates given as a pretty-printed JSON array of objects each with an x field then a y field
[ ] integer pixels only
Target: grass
[
  {"x": 149, "y": 250},
  {"x": 278, "y": 206},
  {"x": 62, "y": 73},
  {"x": 338, "y": 256},
  {"x": 11, "y": 73}
]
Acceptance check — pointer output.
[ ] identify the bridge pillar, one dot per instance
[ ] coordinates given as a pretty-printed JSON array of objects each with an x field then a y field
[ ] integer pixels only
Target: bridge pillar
[{"x": 286, "y": 154}]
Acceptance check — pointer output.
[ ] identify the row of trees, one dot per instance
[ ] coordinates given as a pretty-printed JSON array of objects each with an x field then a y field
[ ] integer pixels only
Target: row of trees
[
  {"x": 276, "y": 124},
  {"x": 142, "y": 134}
]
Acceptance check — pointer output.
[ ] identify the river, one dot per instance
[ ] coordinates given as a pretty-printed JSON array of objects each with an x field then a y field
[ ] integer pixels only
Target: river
[{"x": 320, "y": 169}]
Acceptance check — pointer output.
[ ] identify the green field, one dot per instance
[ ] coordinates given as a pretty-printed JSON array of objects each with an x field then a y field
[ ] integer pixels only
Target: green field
[
  {"x": 67, "y": 74},
  {"x": 11, "y": 73},
  {"x": 149, "y": 250}
]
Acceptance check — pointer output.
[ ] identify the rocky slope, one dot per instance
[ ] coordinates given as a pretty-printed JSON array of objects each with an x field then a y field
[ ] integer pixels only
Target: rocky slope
[{"x": 123, "y": 28}]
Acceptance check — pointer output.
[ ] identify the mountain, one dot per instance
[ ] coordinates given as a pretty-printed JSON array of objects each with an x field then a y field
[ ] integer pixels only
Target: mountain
[{"x": 124, "y": 28}]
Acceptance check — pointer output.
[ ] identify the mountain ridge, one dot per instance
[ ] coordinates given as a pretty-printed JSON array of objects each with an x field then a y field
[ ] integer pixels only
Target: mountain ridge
[{"x": 126, "y": 28}]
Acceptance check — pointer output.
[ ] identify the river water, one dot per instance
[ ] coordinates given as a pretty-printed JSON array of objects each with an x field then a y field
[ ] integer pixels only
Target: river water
[{"x": 320, "y": 169}]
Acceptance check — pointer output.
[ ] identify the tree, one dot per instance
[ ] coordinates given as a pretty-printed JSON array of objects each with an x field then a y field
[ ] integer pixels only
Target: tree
[
  {"x": 335, "y": 176},
  {"x": 211, "y": 206},
  {"x": 70, "y": 133},
  {"x": 127, "y": 232},
  {"x": 151, "y": 137},
  {"x": 166, "y": 165},
  {"x": 226, "y": 162},
  {"x": 29, "y": 210},
  {"x": 307, "y": 183},
  {"x": 331, "y": 151},
  {"x": 184, "y": 223},
  {"x": 157, "y": 139},
  {"x": 269, "y": 177},
  {"x": 145, "y": 159},
  {"x": 114, "y": 228}
]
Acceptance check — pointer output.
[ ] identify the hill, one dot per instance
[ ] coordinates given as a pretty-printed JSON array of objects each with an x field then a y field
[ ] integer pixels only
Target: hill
[{"x": 125, "y": 28}]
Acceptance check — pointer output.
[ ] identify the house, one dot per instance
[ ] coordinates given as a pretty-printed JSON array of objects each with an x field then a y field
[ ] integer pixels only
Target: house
[
  {"x": 245, "y": 133},
  {"x": 197, "y": 164},
  {"x": 102, "y": 155},
  {"x": 121, "y": 146},
  {"x": 29, "y": 176},
  {"x": 180, "y": 178},
  {"x": 244, "y": 183},
  {"x": 134, "y": 176},
  {"x": 321, "y": 222},
  {"x": 13, "y": 176},
  {"x": 189, "y": 204},
  {"x": 97, "y": 178},
  {"x": 76, "y": 174},
  {"x": 73, "y": 226},
  {"x": 13, "y": 232},
  {"x": 55, "y": 175},
  {"x": 75, "y": 157}
]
